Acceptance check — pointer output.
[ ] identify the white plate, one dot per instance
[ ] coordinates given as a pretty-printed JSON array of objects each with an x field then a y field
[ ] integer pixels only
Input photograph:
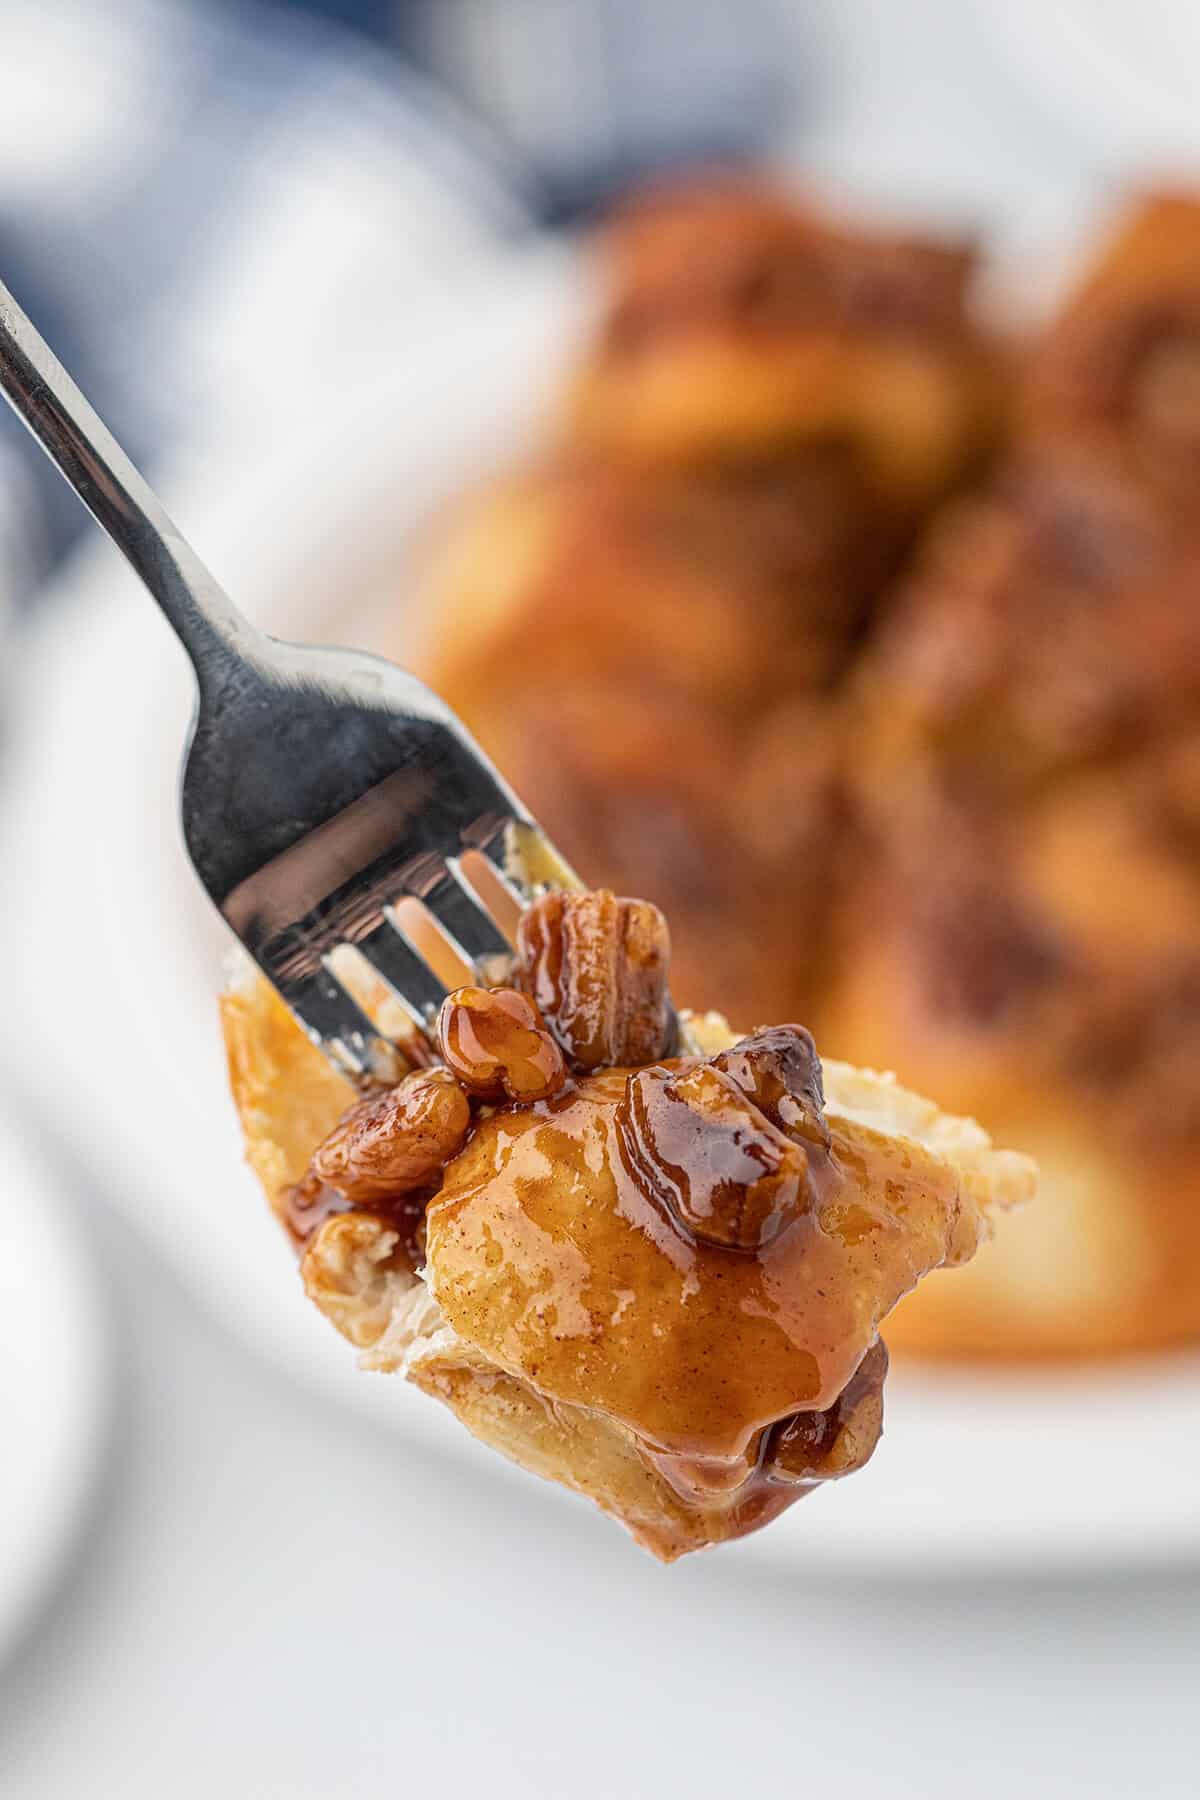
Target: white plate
[
  {"x": 996, "y": 1473},
  {"x": 54, "y": 1364}
]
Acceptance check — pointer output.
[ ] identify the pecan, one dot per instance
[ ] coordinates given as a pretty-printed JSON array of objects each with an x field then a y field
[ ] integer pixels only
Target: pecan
[
  {"x": 597, "y": 968},
  {"x": 496, "y": 1042},
  {"x": 698, "y": 1145},
  {"x": 779, "y": 1069},
  {"x": 398, "y": 1141},
  {"x": 820, "y": 1446}
]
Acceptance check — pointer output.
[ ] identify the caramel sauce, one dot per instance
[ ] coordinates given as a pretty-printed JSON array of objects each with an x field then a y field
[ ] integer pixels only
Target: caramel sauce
[
  {"x": 716, "y": 1163},
  {"x": 307, "y": 1205},
  {"x": 549, "y": 1252}
]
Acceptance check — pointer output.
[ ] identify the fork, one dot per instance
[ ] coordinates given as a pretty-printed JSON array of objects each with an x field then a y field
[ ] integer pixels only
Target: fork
[{"x": 321, "y": 788}]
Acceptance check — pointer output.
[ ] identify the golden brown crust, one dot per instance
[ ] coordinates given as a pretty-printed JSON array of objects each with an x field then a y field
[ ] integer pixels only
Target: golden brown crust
[
  {"x": 1048, "y": 622},
  {"x": 741, "y": 321},
  {"x": 1120, "y": 367},
  {"x": 573, "y": 573},
  {"x": 1027, "y": 917},
  {"x": 586, "y": 1452},
  {"x": 287, "y": 1094},
  {"x": 1046, "y": 976}
]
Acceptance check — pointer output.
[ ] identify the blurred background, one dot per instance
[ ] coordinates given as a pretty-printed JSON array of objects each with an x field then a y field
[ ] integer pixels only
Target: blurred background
[{"x": 836, "y": 502}]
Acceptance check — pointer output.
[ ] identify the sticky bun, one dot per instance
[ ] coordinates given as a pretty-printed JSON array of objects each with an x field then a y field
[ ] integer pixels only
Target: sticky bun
[{"x": 637, "y": 1254}]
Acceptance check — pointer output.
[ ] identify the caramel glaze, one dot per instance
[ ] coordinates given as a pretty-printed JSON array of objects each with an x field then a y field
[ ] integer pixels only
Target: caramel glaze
[
  {"x": 306, "y": 1206},
  {"x": 548, "y": 1251}
]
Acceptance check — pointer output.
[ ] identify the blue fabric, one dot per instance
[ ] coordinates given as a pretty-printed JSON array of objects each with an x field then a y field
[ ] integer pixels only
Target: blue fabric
[
  {"x": 146, "y": 122},
  {"x": 104, "y": 251}
]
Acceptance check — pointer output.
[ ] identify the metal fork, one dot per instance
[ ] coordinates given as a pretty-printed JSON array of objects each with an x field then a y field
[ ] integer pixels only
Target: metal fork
[{"x": 320, "y": 787}]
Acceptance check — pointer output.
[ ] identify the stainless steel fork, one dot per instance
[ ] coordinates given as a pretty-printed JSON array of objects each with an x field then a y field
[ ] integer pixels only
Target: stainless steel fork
[{"x": 320, "y": 787}]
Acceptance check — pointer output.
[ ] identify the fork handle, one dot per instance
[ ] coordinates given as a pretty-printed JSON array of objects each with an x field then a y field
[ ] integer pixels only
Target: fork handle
[{"x": 213, "y": 632}]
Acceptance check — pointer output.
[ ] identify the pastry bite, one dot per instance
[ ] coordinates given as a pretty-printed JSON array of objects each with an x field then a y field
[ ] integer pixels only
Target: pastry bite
[
  {"x": 1040, "y": 964},
  {"x": 1120, "y": 367},
  {"x": 638, "y": 1254},
  {"x": 741, "y": 322}
]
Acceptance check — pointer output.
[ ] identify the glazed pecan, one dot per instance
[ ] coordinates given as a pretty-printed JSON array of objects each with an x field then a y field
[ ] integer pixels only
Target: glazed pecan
[
  {"x": 779, "y": 1069},
  {"x": 820, "y": 1446},
  {"x": 597, "y": 968},
  {"x": 496, "y": 1042},
  {"x": 398, "y": 1141},
  {"x": 696, "y": 1143}
]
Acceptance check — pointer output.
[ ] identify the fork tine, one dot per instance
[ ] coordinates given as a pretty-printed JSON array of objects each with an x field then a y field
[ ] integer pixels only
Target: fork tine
[
  {"x": 464, "y": 918},
  {"x": 500, "y": 860},
  {"x": 526, "y": 861},
  {"x": 319, "y": 785},
  {"x": 332, "y": 1018},
  {"x": 397, "y": 962}
]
